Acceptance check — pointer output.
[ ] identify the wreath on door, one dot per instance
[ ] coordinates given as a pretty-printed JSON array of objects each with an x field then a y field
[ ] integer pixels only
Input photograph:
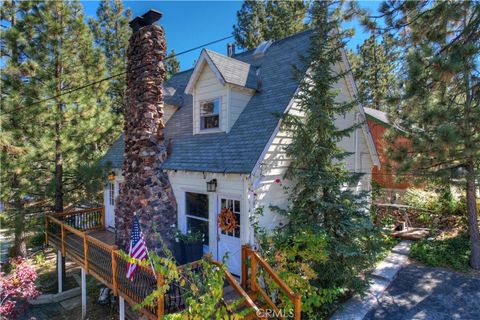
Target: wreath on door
[{"x": 227, "y": 221}]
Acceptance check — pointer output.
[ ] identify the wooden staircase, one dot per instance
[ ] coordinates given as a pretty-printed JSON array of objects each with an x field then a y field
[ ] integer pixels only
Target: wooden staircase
[{"x": 258, "y": 280}]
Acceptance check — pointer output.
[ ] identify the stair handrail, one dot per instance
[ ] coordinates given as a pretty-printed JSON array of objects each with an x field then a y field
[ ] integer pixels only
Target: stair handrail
[{"x": 248, "y": 252}]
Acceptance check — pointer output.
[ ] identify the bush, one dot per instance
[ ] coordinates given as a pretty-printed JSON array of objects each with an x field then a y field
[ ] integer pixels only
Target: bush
[{"x": 451, "y": 253}]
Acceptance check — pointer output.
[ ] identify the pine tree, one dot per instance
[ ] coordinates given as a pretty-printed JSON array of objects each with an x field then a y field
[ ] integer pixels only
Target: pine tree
[
  {"x": 375, "y": 71},
  {"x": 111, "y": 33},
  {"x": 324, "y": 243},
  {"x": 248, "y": 31},
  {"x": 66, "y": 134},
  {"x": 258, "y": 21},
  {"x": 172, "y": 65},
  {"x": 439, "y": 107}
]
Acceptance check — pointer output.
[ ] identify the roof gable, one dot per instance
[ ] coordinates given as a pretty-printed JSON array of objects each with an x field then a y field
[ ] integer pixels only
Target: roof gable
[{"x": 226, "y": 69}]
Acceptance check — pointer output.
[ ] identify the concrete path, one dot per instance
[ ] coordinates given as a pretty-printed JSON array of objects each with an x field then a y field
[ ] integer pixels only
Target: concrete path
[
  {"x": 357, "y": 307},
  {"x": 426, "y": 293}
]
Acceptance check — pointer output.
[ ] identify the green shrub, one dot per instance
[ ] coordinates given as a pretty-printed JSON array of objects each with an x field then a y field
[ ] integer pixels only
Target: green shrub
[{"x": 452, "y": 252}]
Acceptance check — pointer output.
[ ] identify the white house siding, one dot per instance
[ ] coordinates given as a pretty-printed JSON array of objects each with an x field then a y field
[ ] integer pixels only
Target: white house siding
[
  {"x": 209, "y": 87},
  {"x": 238, "y": 100},
  {"x": 271, "y": 187},
  {"x": 228, "y": 185}
]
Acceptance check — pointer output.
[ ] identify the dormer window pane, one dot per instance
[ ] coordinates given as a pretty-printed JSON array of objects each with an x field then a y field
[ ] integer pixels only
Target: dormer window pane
[{"x": 209, "y": 114}]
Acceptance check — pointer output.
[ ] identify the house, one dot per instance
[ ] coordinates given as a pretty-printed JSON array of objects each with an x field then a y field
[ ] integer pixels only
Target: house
[
  {"x": 207, "y": 141},
  {"x": 392, "y": 186},
  {"x": 223, "y": 129}
]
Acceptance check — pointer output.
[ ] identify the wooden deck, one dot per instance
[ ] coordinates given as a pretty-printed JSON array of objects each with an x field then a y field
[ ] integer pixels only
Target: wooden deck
[
  {"x": 107, "y": 237},
  {"x": 82, "y": 236}
]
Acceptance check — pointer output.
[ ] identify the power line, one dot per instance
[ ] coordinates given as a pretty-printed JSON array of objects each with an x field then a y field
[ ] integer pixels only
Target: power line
[{"x": 113, "y": 76}]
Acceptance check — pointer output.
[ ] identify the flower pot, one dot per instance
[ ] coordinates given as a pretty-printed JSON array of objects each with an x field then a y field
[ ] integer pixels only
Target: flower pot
[
  {"x": 178, "y": 252},
  {"x": 193, "y": 251}
]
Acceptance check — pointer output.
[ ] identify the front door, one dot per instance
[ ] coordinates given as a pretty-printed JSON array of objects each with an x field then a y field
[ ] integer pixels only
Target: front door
[{"x": 229, "y": 242}]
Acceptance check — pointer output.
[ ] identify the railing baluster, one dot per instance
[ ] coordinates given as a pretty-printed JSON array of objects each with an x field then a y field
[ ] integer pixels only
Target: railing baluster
[
  {"x": 114, "y": 272},
  {"x": 253, "y": 276},
  {"x": 244, "y": 261},
  {"x": 104, "y": 225},
  {"x": 298, "y": 306}
]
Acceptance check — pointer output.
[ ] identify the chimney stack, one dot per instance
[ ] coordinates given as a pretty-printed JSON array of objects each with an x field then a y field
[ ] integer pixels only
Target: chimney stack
[
  {"x": 146, "y": 190},
  {"x": 230, "y": 49}
]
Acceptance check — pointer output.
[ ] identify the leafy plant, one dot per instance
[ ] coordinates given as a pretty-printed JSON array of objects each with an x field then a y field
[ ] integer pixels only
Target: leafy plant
[
  {"x": 452, "y": 252},
  {"x": 189, "y": 237},
  {"x": 18, "y": 284}
]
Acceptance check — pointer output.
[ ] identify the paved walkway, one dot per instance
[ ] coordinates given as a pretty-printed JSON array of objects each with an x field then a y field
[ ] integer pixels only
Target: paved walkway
[{"x": 426, "y": 293}]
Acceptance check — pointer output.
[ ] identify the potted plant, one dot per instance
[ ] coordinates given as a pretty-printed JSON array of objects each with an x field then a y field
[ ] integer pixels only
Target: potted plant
[{"x": 187, "y": 247}]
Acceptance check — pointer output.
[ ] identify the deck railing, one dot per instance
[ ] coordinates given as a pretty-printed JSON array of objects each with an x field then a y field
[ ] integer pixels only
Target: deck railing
[
  {"x": 262, "y": 280},
  {"x": 69, "y": 232}
]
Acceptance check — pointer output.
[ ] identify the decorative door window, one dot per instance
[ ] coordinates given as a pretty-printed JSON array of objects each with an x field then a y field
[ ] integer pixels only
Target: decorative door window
[
  {"x": 196, "y": 211},
  {"x": 233, "y": 205},
  {"x": 111, "y": 193}
]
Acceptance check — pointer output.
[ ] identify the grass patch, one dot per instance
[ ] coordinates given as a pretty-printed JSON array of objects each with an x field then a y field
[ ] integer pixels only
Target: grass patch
[{"x": 452, "y": 252}]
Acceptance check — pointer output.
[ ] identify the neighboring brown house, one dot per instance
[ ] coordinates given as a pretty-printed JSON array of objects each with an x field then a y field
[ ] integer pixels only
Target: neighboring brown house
[{"x": 392, "y": 185}]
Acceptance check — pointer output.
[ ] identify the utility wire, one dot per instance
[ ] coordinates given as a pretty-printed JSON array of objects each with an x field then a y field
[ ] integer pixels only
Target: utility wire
[{"x": 112, "y": 76}]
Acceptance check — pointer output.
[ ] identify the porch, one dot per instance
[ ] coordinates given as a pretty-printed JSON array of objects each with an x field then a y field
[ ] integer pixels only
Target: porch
[{"x": 82, "y": 236}]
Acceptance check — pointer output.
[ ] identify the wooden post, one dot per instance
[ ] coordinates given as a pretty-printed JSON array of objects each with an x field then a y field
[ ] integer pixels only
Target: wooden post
[
  {"x": 104, "y": 226},
  {"x": 298, "y": 306},
  {"x": 161, "y": 302},
  {"x": 60, "y": 271},
  {"x": 253, "y": 275},
  {"x": 114, "y": 273},
  {"x": 245, "y": 248},
  {"x": 85, "y": 250},
  {"x": 121, "y": 306},
  {"x": 63, "y": 239},
  {"x": 84, "y": 294}
]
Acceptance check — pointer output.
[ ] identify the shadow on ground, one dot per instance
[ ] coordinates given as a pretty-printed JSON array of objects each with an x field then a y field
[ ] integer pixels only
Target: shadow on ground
[{"x": 426, "y": 293}]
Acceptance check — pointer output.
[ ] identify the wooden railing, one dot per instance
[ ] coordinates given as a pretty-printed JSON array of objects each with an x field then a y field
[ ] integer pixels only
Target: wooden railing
[
  {"x": 69, "y": 232},
  {"x": 259, "y": 268}
]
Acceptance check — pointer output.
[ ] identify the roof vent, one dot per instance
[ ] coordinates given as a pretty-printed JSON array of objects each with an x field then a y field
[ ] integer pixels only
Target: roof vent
[
  {"x": 262, "y": 48},
  {"x": 230, "y": 49}
]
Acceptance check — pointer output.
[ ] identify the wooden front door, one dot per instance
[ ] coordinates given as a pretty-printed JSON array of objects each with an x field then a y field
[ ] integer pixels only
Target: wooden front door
[{"x": 229, "y": 242}]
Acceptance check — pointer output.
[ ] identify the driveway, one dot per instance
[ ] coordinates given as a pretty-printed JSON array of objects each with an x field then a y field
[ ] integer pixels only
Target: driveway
[{"x": 420, "y": 292}]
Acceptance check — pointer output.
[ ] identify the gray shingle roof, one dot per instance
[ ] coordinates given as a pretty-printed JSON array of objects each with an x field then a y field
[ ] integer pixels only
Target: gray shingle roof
[
  {"x": 234, "y": 71},
  {"x": 239, "y": 150}
]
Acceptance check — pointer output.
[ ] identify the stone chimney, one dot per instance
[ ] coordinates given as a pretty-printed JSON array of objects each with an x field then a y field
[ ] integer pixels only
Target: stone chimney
[{"x": 146, "y": 189}]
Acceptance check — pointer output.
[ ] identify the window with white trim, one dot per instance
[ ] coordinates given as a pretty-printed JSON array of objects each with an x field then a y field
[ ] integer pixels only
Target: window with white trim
[
  {"x": 111, "y": 193},
  {"x": 210, "y": 114},
  {"x": 196, "y": 211}
]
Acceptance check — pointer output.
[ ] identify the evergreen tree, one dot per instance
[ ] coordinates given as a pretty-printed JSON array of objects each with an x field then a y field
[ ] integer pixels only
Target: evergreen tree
[
  {"x": 323, "y": 247},
  {"x": 172, "y": 65},
  {"x": 375, "y": 71},
  {"x": 258, "y": 21},
  {"x": 248, "y": 31},
  {"x": 61, "y": 135},
  {"x": 111, "y": 33},
  {"x": 439, "y": 107}
]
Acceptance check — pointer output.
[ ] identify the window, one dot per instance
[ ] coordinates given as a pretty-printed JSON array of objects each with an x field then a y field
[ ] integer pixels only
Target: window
[
  {"x": 209, "y": 114},
  {"x": 196, "y": 210},
  {"x": 111, "y": 193},
  {"x": 234, "y": 205}
]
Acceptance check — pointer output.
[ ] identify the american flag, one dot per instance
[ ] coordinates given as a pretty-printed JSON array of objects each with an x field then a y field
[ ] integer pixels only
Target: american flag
[{"x": 138, "y": 249}]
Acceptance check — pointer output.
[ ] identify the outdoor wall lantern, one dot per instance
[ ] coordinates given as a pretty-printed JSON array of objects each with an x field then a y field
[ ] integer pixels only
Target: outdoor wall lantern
[
  {"x": 212, "y": 185},
  {"x": 111, "y": 176}
]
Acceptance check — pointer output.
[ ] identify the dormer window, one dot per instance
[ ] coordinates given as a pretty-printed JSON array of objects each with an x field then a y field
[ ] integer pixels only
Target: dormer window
[{"x": 210, "y": 114}]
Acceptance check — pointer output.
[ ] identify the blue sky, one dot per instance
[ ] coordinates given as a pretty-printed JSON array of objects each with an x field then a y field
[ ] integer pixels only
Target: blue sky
[{"x": 191, "y": 23}]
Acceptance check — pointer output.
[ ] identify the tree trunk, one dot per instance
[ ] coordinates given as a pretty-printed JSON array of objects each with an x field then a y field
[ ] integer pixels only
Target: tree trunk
[
  {"x": 473, "y": 217},
  {"x": 20, "y": 244}
]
